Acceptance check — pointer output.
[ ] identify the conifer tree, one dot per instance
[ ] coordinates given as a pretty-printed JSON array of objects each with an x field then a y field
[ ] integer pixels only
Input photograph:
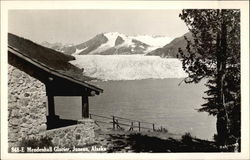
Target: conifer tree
[{"x": 213, "y": 54}]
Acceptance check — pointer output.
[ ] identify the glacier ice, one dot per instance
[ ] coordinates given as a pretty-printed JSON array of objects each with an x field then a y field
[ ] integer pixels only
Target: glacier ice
[{"x": 129, "y": 67}]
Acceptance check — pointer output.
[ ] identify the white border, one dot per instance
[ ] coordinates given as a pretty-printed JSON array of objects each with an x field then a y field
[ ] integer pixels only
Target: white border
[{"x": 243, "y": 5}]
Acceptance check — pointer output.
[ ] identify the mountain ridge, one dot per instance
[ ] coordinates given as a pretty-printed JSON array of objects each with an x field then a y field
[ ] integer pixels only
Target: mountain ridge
[
  {"x": 113, "y": 43},
  {"x": 171, "y": 49}
]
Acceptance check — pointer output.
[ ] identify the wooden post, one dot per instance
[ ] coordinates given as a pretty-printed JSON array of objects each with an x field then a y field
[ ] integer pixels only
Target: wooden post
[
  {"x": 113, "y": 122},
  {"x": 139, "y": 126},
  {"x": 153, "y": 127},
  {"x": 51, "y": 106},
  {"x": 85, "y": 107},
  {"x": 132, "y": 126},
  {"x": 117, "y": 124}
]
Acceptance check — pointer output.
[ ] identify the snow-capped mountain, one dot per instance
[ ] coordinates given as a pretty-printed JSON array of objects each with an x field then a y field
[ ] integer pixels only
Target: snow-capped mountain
[
  {"x": 116, "y": 56},
  {"x": 114, "y": 43}
]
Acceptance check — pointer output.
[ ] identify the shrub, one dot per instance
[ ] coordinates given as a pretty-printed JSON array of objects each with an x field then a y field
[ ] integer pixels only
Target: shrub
[
  {"x": 165, "y": 130},
  {"x": 37, "y": 142},
  {"x": 186, "y": 138},
  {"x": 233, "y": 144}
]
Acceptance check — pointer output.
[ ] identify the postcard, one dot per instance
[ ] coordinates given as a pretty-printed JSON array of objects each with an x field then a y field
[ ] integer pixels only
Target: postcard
[{"x": 124, "y": 80}]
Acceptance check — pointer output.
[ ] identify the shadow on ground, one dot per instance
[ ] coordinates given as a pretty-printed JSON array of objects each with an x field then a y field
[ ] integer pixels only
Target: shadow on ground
[{"x": 144, "y": 143}]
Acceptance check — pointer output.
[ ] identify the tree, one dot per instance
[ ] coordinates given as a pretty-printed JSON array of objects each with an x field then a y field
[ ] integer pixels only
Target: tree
[{"x": 213, "y": 53}]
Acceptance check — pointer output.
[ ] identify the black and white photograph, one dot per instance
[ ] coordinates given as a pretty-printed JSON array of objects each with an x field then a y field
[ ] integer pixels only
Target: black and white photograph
[{"x": 130, "y": 81}]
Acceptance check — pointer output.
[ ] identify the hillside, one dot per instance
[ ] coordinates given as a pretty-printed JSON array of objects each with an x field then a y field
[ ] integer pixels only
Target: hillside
[{"x": 171, "y": 49}]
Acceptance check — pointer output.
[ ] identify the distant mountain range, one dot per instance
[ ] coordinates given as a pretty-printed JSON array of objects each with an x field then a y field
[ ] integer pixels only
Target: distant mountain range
[{"x": 114, "y": 43}]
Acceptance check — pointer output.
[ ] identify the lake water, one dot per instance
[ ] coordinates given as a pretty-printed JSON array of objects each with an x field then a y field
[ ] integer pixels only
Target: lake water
[{"x": 159, "y": 101}]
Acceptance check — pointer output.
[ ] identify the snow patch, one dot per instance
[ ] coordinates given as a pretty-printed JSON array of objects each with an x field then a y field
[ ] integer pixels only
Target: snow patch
[
  {"x": 154, "y": 42},
  {"x": 79, "y": 51},
  {"x": 112, "y": 36},
  {"x": 129, "y": 67},
  {"x": 157, "y": 41}
]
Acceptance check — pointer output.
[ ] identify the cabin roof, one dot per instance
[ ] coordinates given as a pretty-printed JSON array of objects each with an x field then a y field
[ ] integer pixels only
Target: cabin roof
[{"x": 50, "y": 61}]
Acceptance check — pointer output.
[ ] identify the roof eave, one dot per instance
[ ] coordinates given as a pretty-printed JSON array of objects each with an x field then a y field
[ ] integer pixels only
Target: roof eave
[{"x": 15, "y": 51}]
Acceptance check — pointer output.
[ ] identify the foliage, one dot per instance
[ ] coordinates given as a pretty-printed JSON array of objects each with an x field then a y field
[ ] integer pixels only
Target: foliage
[
  {"x": 37, "y": 142},
  {"x": 214, "y": 54},
  {"x": 186, "y": 138},
  {"x": 137, "y": 142}
]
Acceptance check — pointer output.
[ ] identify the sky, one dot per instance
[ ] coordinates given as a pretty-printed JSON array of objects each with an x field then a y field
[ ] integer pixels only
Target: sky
[{"x": 78, "y": 26}]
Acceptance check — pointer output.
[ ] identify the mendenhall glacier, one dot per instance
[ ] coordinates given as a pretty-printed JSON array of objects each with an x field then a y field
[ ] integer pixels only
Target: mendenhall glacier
[
  {"x": 116, "y": 56},
  {"x": 129, "y": 67}
]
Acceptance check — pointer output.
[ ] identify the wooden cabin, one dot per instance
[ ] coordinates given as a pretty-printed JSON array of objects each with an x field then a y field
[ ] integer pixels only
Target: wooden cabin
[{"x": 52, "y": 69}]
